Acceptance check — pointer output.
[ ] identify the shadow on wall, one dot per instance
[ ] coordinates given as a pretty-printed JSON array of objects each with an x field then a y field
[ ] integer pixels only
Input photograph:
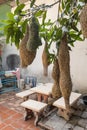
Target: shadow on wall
[{"x": 13, "y": 61}]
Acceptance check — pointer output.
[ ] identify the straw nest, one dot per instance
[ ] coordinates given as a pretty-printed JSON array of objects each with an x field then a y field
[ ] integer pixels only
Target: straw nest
[
  {"x": 83, "y": 21},
  {"x": 55, "y": 70},
  {"x": 45, "y": 60},
  {"x": 64, "y": 66},
  {"x": 26, "y": 56},
  {"x": 56, "y": 93},
  {"x": 34, "y": 40}
]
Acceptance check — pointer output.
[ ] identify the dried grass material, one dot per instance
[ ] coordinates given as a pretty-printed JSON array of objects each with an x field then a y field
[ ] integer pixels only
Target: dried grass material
[
  {"x": 56, "y": 71},
  {"x": 56, "y": 93},
  {"x": 45, "y": 60},
  {"x": 64, "y": 66},
  {"x": 34, "y": 40},
  {"x": 26, "y": 56},
  {"x": 83, "y": 21}
]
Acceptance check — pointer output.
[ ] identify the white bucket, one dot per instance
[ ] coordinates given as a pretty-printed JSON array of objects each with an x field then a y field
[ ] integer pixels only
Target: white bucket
[{"x": 21, "y": 84}]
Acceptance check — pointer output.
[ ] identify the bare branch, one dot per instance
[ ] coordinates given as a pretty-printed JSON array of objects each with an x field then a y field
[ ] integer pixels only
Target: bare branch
[{"x": 53, "y": 4}]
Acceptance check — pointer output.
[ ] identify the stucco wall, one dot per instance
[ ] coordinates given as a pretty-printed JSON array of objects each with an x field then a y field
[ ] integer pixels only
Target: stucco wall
[{"x": 78, "y": 57}]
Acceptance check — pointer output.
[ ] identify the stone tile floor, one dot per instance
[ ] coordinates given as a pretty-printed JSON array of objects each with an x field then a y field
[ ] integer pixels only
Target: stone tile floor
[
  {"x": 11, "y": 117},
  {"x": 11, "y": 114},
  {"x": 78, "y": 121}
]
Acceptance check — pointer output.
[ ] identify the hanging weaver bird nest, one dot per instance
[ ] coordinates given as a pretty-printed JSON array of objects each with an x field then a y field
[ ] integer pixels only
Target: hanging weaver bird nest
[
  {"x": 64, "y": 66},
  {"x": 56, "y": 93},
  {"x": 45, "y": 59},
  {"x": 55, "y": 71},
  {"x": 83, "y": 21},
  {"x": 34, "y": 40},
  {"x": 26, "y": 56}
]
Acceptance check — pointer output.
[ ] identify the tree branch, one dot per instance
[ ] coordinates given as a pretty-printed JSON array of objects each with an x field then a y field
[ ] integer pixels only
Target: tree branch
[
  {"x": 53, "y": 4},
  {"x": 39, "y": 7}
]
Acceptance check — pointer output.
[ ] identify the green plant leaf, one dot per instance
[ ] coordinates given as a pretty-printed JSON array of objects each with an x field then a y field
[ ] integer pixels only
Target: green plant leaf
[
  {"x": 23, "y": 25},
  {"x": 58, "y": 33},
  {"x": 39, "y": 13},
  {"x": 19, "y": 9},
  {"x": 10, "y": 16},
  {"x": 63, "y": 4},
  {"x": 44, "y": 17},
  {"x": 17, "y": 2},
  {"x": 32, "y": 3},
  {"x": 68, "y": 7}
]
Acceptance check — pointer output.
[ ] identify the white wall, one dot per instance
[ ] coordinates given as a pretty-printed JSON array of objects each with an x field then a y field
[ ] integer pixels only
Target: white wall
[{"x": 78, "y": 57}]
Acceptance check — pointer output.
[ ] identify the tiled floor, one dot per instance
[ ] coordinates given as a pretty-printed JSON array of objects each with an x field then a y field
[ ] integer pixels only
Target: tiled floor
[{"x": 11, "y": 114}]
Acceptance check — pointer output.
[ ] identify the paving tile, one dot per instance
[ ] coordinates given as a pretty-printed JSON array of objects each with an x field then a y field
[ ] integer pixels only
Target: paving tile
[
  {"x": 16, "y": 125},
  {"x": 17, "y": 116},
  {"x": 3, "y": 109},
  {"x": 56, "y": 122},
  {"x": 2, "y": 125},
  {"x": 8, "y": 121},
  {"x": 12, "y": 112},
  {"x": 78, "y": 113},
  {"x": 74, "y": 120},
  {"x": 11, "y": 117},
  {"x": 8, "y": 128},
  {"x": 68, "y": 126},
  {"x": 4, "y": 116},
  {"x": 24, "y": 124},
  {"x": 33, "y": 128},
  {"x": 82, "y": 123}
]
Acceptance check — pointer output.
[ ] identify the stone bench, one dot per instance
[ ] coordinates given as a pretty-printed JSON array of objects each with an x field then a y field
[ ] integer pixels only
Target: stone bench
[
  {"x": 33, "y": 108},
  {"x": 60, "y": 104},
  {"x": 25, "y": 94}
]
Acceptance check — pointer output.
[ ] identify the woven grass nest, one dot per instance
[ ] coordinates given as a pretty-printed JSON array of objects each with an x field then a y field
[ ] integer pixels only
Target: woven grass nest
[
  {"x": 26, "y": 56},
  {"x": 55, "y": 70},
  {"x": 83, "y": 21}
]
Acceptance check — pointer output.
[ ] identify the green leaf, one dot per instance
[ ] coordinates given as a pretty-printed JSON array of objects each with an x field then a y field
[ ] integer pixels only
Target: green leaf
[
  {"x": 72, "y": 43},
  {"x": 10, "y": 16},
  {"x": 7, "y": 38},
  {"x": 17, "y": 2},
  {"x": 68, "y": 6},
  {"x": 9, "y": 31},
  {"x": 58, "y": 33},
  {"x": 23, "y": 25},
  {"x": 39, "y": 13},
  {"x": 44, "y": 17},
  {"x": 63, "y": 4},
  {"x": 80, "y": 38},
  {"x": 32, "y": 3},
  {"x": 74, "y": 36},
  {"x": 63, "y": 21},
  {"x": 17, "y": 38},
  {"x": 19, "y": 9}
]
